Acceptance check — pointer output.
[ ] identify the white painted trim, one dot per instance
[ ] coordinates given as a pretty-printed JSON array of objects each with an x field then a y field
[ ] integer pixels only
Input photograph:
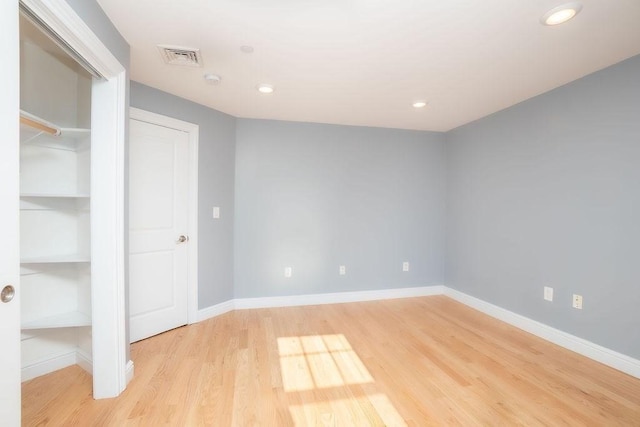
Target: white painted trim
[
  {"x": 215, "y": 310},
  {"x": 317, "y": 299},
  {"x": 84, "y": 361},
  {"x": 66, "y": 23},
  {"x": 48, "y": 365},
  {"x": 581, "y": 346},
  {"x": 337, "y": 297},
  {"x": 193, "y": 130},
  {"x": 107, "y": 236},
  {"x": 130, "y": 371}
]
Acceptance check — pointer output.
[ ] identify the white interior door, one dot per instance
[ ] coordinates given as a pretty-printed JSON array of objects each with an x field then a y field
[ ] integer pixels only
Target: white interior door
[
  {"x": 158, "y": 224},
  {"x": 9, "y": 262}
]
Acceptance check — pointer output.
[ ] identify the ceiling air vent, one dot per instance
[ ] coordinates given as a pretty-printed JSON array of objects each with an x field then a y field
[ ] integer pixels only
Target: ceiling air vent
[{"x": 186, "y": 56}]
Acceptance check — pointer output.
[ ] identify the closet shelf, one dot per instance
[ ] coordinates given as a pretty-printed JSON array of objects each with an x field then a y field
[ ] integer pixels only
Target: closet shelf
[
  {"x": 57, "y": 259},
  {"x": 64, "y": 320},
  {"x": 59, "y": 195}
]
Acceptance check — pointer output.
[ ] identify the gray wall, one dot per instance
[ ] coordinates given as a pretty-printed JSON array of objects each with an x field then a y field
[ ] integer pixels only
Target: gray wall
[
  {"x": 314, "y": 196},
  {"x": 216, "y": 152},
  {"x": 548, "y": 193}
]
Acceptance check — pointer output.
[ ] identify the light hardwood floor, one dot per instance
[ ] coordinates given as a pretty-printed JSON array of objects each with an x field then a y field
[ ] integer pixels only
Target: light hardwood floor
[{"x": 415, "y": 362}]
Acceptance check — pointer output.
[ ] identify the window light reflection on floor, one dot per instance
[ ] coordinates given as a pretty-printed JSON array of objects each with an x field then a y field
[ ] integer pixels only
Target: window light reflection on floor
[{"x": 319, "y": 361}]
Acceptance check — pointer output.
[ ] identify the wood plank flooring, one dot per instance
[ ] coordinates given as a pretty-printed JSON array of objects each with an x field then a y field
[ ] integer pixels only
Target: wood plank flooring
[{"x": 407, "y": 362}]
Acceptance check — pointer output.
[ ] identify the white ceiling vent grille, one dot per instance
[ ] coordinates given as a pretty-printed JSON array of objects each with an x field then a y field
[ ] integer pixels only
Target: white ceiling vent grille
[{"x": 176, "y": 55}]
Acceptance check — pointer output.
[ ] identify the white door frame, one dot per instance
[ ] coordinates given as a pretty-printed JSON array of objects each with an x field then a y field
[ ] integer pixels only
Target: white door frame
[
  {"x": 111, "y": 369},
  {"x": 192, "y": 220}
]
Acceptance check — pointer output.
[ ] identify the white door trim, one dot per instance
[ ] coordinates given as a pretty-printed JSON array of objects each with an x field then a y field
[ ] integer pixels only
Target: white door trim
[
  {"x": 192, "y": 228},
  {"x": 109, "y": 118}
]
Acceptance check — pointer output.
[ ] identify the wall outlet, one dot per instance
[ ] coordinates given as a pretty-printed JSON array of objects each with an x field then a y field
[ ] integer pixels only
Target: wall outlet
[
  {"x": 216, "y": 212},
  {"x": 548, "y": 293},
  {"x": 577, "y": 301},
  {"x": 288, "y": 271},
  {"x": 342, "y": 270},
  {"x": 405, "y": 266}
]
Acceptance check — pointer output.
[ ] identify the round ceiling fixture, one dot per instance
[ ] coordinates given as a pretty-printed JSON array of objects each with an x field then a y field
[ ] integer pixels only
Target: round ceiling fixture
[
  {"x": 246, "y": 49},
  {"x": 265, "y": 88},
  {"x": 561, "y": 14},
  {"x": 212, "y": 79},
  {"x": 419, "y": 104}
]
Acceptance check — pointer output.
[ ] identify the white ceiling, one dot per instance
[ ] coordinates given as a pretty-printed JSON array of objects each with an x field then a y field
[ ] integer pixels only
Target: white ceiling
[{"x": 364, "y": 62}]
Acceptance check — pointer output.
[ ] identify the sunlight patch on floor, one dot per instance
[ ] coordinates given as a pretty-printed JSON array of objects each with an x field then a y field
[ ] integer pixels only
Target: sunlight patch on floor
[
  {"x": 319, "y": 361},
  {"x": 324, "y": 365}
]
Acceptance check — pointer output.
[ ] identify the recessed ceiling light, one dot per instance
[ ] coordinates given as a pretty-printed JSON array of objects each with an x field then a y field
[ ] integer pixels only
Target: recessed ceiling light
[
  {"x": 419, "y": 104},
  {"x": 212, "y": 78},
  {"x": 246, "y": 49},
  {"x": 561, "y": 14},
  {"x": 265, "y": 88}
]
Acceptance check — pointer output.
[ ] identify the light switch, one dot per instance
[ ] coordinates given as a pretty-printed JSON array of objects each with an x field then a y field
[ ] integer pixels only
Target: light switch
[{"x": 216, "y": 212}]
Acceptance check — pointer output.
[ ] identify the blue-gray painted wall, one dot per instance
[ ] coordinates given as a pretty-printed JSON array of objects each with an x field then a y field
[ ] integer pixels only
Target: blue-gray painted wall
[
  {"x": 314, "y": 196},
  {"x": 548, "y": 193},
  {"x": 216, "y": 160},
  {"x": 543, "y": 193}
]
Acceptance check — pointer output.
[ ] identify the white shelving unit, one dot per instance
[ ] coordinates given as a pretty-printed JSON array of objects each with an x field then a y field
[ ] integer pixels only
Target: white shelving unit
[{"x": 55, "y": 212}]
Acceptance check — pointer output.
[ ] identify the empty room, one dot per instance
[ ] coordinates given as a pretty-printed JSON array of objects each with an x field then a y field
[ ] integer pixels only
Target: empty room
[{"x": 337, "y": 213}]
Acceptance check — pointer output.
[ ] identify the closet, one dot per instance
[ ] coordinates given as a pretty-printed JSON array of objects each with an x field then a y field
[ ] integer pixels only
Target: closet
[{"x": 55, "y": 206}]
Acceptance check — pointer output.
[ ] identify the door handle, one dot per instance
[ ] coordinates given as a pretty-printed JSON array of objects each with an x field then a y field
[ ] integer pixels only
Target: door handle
[
  {"x": 7, "y": 294},
  {"x": 183, "y": 239}
]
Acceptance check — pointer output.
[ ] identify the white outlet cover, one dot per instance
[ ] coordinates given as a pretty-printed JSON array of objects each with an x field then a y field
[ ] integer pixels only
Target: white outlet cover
[
  {"x": 577, "y": 301},
  {"x": 548, "y": 293},
  {"x": 342, "y": 270},
  {"x": 405, "y": 266},
  {"x": 216, "y": 212},
  {"x": 288, "y": 272}
]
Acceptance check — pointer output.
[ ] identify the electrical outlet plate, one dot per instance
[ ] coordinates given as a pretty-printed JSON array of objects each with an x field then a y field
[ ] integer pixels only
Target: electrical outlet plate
[
  {"x": 577, "y": 301},
  {"x": 216, "y": 212},
  {"x": 405, "y": 266},
  {"x": 548, "y": 293},
  {"x": 288, "y": 272},
  {"x": 342, "y": 270}
]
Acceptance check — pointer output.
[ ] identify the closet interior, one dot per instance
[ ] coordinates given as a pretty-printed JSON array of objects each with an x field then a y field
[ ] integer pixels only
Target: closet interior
[{"x": 55, "y": 206}]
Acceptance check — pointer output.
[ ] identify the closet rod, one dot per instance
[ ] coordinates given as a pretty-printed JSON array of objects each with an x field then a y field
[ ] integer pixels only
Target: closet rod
[{"x": 37, "y": 123}]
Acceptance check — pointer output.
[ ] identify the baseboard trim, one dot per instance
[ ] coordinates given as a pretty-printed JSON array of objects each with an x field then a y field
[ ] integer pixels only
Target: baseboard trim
[
  {"x": 48, "y": 365},
  {"x": 337, "y": 297},
  {"x": 215, "y": 310},
  {"x": 129, "y": 372},
  {"x": 84, "y": 361},
  {"x": 579, "y": 345}
]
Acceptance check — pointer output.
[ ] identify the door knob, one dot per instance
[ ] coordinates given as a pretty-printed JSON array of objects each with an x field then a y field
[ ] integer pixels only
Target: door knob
[
  {"x": 7, "y": 294},
  {"x": 183, "y": 239}
]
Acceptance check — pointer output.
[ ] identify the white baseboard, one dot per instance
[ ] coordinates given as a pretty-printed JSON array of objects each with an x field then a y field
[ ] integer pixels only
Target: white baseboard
[
  {"x": 84, "y": 361},
  {"x": 337, "y": 297},
  {"x": 581, "y": 346},
  {"x": 316, "y": 299},
  {"x": 48, "y": 365},
  {"x": 215, "y": 310},
  {"x": 128, "y": 372}
]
